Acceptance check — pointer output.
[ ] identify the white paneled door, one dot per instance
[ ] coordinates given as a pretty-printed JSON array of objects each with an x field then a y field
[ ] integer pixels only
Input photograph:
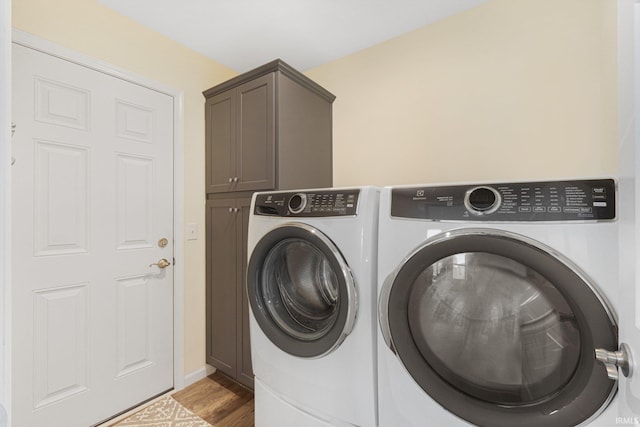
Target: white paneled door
[{"x": 92, "y": 208}]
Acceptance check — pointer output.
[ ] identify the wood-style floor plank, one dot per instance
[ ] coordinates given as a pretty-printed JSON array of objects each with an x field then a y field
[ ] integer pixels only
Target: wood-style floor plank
[
  {"x": 219, "y": 401},
  {"x": 241, "y": 417}
]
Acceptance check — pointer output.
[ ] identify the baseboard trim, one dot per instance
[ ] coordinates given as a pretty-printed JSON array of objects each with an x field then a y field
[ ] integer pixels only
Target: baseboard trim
[{"x": 198, "y": 374}]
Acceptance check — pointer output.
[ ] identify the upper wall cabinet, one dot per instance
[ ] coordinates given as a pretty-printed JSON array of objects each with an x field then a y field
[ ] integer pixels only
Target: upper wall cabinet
[
  {"x": 268, "y": 129},
  {"x": 241, "y": 137}
]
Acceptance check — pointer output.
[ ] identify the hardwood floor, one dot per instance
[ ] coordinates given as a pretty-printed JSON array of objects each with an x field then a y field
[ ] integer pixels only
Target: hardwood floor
[{"x": 219, "y": 401}]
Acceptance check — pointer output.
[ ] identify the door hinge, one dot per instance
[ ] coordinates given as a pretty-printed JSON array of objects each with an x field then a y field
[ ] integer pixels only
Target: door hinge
[{"x": 13, "y": 130}]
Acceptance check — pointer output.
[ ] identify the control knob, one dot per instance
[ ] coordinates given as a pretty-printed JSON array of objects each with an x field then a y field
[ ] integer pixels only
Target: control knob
[
  {"x": 297, "y": 203},
  {"x": 482, "y": 201}
]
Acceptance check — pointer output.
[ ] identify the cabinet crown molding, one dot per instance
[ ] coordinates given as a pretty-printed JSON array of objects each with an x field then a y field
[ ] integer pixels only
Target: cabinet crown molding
[{"x": 270, "y": 67}]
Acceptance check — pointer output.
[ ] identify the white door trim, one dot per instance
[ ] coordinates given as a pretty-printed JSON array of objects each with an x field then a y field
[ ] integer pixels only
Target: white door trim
[
  {"x": 45, "y": 46},
  {"x": 5, "y": 211}
]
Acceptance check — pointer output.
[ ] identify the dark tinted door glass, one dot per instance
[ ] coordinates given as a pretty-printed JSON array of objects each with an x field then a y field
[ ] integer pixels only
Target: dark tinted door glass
[
  {"x": 494, "y": 328},
  {"x": 300, "y": 289}
]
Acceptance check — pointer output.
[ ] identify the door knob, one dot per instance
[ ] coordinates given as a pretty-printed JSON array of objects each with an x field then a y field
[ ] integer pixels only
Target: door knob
[{"x": 163, "y": 263}]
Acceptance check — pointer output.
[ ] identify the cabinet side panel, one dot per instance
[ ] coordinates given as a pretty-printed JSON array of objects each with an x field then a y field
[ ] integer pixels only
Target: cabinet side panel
[{"x": 304, "y": 137}]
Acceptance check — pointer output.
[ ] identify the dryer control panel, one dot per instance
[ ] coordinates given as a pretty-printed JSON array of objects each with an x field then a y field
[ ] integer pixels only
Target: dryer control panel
[
  {"x": 524, "y": 201},
  {"x": 321, "y": 203}
]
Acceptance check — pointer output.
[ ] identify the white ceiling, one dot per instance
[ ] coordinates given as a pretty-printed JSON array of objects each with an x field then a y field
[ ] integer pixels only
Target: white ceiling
[{"x": 243, "y": 34}]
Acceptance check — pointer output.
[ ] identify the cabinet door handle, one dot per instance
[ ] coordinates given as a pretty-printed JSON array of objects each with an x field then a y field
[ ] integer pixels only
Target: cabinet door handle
[
  {"x": 233, "y": 210},
  {"x": 235, "y": 179},
  {"x": 230, "y": 180}
]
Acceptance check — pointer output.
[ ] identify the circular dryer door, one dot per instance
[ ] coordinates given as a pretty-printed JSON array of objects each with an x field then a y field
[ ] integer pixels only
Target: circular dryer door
[
  {"x": 500, "y": 330},
  {"x": 301, "y": 290}
]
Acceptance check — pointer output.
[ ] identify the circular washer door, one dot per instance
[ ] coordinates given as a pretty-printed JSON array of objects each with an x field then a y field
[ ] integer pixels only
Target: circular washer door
[
  {"x": 500, "y": 330},
  {"x": 301, "y": 290}
]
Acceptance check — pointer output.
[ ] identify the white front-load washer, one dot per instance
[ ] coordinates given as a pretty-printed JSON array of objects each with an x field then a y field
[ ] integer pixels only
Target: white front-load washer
[
  {"x": 312, "y": 288},
  {"x": 493, "y": 300}
]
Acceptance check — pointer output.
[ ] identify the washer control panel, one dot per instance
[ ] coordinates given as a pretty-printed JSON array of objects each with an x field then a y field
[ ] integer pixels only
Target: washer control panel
[
  {"x": 310, "y": 203},
  {"x": 525, "y": 201}
]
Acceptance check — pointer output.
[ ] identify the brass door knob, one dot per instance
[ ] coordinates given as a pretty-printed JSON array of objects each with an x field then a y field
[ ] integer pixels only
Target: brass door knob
[{"x": 163, "y": 263}]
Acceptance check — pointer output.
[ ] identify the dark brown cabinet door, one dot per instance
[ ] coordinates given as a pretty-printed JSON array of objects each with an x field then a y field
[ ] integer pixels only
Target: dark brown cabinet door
[
  {"x": 220, "y": 149},
  {"x": 241, "y": 138},
  {"x": 221, "y": 285},
  {"x": 228, "y": 343},
  {"x": 256, "y": 137}
]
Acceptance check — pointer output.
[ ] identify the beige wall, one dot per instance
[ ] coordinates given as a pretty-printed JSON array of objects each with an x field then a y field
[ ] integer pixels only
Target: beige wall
[
  {"x": 509, "y": 90},
  {"x": 88, "y": 27}
]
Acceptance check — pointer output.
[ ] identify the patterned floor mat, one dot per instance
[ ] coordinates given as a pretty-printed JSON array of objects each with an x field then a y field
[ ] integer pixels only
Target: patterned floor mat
[{"x": 166, "y": 412}]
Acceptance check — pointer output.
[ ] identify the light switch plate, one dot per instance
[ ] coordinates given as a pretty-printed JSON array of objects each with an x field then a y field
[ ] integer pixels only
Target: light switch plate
[{"x": 192, "y": 231}]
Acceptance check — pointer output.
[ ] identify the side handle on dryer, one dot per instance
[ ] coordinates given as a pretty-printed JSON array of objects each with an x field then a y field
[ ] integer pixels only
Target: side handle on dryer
[{"x": 615, "y": 361}]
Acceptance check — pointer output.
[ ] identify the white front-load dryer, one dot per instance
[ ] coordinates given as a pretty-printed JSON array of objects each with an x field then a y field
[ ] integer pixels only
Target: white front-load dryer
[
  {"x": 312, "y": 288},
  {"x": 494, "y": 300}
]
